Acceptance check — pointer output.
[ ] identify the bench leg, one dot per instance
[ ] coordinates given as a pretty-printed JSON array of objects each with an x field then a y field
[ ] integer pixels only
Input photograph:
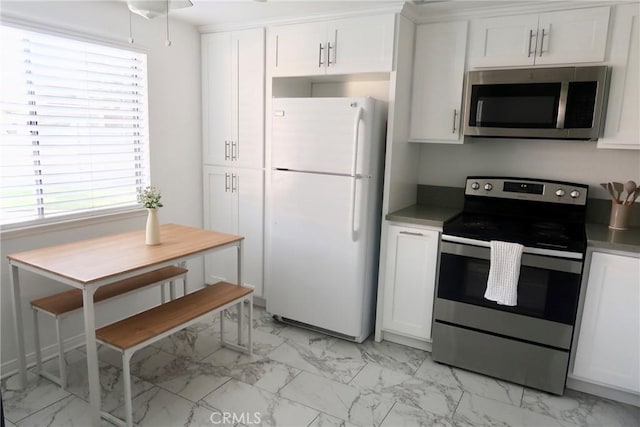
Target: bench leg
[
  {"x": 62, "y": 365},
  {"x": 126, "y": 377},
  {"x": 163, "y": 293},
  {"x": 36, "y": 336},
  {"x": 184, "y": 285},
  {"x": 250, "y": 327},
  {"x": 222, "y": 327},
  {"x": 172, "y": 289},
  {"x": 240, "y": 321}
]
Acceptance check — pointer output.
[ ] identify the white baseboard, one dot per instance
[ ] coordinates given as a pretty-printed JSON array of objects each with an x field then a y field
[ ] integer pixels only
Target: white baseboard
[
  {"x": 11, "y": 367},
  {"x": 602, "y": 391},
  {"x": 408, "y": 341}
]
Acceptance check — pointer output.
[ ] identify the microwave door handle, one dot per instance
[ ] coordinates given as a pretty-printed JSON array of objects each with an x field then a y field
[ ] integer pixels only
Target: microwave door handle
[{"x": 562, "y": 105}]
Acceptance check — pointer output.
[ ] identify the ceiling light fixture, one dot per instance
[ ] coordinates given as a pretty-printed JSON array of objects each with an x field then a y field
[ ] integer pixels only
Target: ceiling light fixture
[{"x": 150, "y": 9}]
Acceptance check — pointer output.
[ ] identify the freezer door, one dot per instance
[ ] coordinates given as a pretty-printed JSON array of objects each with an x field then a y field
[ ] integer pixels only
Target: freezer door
[
  {"x": 317, "y": 270},
  {"x": 321, "y": 134}
]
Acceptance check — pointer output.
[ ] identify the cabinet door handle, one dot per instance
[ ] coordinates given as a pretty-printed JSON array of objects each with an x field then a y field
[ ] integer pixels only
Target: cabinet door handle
[
  {"x": 226, "y": 150},
  {"x": 234, "y": 150},
  {"x": 226, "y": 182},
  {"x": 455, "y": 114},
  {"x": 411, "y": 233},
  {"x": 320, "y": 63},
  {"x": 234, "y": 183},
  {"x": 329, "y": 47},
  {"x": 530, "y": 39},
  {"x": 542, "y": 42}
]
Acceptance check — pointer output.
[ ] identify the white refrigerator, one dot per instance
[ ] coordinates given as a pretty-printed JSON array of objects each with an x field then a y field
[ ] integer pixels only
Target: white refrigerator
[{"x": 325, "y": 209}]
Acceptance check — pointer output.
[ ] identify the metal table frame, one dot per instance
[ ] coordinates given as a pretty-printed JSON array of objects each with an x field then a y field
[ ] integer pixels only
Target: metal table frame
[{"x": 88, "y": 290}]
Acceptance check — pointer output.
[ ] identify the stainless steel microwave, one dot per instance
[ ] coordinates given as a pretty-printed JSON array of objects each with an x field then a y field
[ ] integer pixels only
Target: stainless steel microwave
[{"x": 552, "y": 103}]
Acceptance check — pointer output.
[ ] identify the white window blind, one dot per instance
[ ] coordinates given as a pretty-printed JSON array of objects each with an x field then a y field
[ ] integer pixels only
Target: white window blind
[{"x": 73, "y": 124}]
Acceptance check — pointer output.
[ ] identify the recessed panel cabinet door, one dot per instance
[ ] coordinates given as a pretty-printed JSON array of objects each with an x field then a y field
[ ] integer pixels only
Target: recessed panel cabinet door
[
  {"x": 622, "y": 127},
  {"x": 409, "y": 284},
  {"x": 358, "y": 45},
  {"x": 572, "y": 36},
  {"x": 298, "y": 50},
  {"x": 216, "y": 94},
  {"x": 248, "y": 101},
  {"x": 248, "y": 185},
  {"x": 608, "y": 350},
  {"x": 504, "y": 41},
  {"x": 438, "y": 78},
  {"x": 220, "y": 214}
]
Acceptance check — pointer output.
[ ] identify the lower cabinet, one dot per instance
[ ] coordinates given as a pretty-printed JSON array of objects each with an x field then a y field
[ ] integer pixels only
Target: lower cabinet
[
  {"x": 608, "y": 349},
  {"x": 233, "y": 203},
  {"x": 409, "y": 281}
]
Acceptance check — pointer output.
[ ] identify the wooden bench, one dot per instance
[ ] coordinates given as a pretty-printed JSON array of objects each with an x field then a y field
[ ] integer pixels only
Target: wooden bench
[
  {"x": 64, "y": 303},
  {"x": 136, "y": 332}
]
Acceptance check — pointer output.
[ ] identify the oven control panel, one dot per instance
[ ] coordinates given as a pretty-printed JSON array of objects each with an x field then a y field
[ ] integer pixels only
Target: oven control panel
[{"x": 527, "y": 189}]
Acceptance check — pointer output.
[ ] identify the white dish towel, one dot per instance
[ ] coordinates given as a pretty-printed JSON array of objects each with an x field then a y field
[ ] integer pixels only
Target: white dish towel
[{"x": 504, "y": 272}]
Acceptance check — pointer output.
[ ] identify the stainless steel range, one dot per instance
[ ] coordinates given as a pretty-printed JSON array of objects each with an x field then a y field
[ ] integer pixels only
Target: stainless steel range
[{"x": 528, "y": 343}]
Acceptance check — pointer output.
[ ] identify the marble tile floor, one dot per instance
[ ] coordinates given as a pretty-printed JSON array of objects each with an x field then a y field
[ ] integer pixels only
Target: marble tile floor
[{"x": 296, "y": 378}]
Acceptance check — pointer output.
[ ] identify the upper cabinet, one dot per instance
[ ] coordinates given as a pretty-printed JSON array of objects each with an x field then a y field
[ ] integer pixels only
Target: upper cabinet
[
  {"x": 233, "y": 98},
  {"x": 622, "y": 128},
  {"x": 563, "y": 37},
  {"x": 343, "y": 46},
  {"x": 438, "y": 77}
]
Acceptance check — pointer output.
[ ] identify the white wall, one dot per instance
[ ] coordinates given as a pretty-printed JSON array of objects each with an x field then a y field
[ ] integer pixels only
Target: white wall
[
  {"x": 576, "y": 161},
  {"x": 175, "y": 143}
]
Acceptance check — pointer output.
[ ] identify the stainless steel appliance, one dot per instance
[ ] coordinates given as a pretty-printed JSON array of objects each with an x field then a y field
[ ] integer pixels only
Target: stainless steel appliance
[
  {"x": 554, "y": 103},
  {"x": 528, "y": 343}
]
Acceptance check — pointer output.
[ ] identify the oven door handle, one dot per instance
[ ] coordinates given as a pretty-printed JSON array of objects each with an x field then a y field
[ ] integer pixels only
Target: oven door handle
[
  {"x": 528, "y": 260},
  {"x": 533, "y": 251}
]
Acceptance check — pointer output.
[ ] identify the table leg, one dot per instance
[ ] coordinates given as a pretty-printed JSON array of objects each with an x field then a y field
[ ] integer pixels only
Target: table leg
[
  {"x": 19, "y": 327},
  {"x": 92, "y": 354},
  {"x": 240, "y": 305}
]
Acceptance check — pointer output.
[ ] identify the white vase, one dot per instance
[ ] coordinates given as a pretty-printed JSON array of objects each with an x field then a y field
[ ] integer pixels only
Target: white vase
[{"x": 153, "y": 228}]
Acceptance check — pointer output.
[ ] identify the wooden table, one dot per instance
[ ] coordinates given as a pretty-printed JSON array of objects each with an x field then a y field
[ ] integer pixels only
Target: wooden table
[{"x": 92, "y": 263}]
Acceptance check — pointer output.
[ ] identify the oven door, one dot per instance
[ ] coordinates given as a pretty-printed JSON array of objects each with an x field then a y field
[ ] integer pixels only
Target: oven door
[{"x": 548, "y": 290}]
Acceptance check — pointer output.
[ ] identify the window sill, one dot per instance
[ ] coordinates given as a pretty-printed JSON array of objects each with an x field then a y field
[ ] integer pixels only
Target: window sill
[{"x": 18, "y": 232}]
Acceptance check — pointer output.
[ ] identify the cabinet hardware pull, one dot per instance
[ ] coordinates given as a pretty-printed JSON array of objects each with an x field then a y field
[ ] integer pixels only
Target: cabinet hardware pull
[
  {"x": 455, "y": 114},
  {"x": 226, "y": 150},
  {"x": 530, "y": 38},
  {"x": 542, "y": 42},
  {"x": 320, "y": 63},
  {"x": 329, "y": 47},
  {"x": 234, "y": 150},
  {"x": 234, "y": 183},
  {"x": 277, "y": 43},
  {"x": 412, "y": 234},
  {"x": 226, "y": 182}
]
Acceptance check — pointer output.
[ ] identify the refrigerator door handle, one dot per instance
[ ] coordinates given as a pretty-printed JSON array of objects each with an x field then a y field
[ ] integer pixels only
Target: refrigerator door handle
[{"x": 354, "y": 174}]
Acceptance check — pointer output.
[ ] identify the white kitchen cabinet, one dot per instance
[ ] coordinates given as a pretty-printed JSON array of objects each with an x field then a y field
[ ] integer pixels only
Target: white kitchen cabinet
[
  {"x": 233, "y": 203},
  {"x": 608, "y": 349},
  {"x": 342, "y": 46},
  {"x": 409, "y": 281},
  {"x": 622, "y": 127},
  {"x": 561, "y": 37},
  {"x": 233, "y": 98},
  {"x": 438, "y": 78}
]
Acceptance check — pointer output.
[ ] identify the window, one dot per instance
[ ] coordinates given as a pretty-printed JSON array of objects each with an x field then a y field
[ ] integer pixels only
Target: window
[{"x": 73, "y": 128}]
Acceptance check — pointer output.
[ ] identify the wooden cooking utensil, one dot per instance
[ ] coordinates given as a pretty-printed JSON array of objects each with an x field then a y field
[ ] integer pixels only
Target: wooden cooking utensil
[
  {"x": 619, "y": 188},
  {"x": 613, "y": 196},
  {"x": 630, "y": 188}
]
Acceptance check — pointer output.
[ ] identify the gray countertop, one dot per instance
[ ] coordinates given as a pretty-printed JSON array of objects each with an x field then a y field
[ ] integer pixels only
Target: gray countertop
[
  {"x": 432, "y": 216},
  {"x": 599, "y": 236},
  {"x": 602, "y": 237}
]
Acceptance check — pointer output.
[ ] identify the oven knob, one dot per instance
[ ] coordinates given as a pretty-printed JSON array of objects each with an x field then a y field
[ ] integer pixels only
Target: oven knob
[
  {"x": 560, "y": 192},
  {"x": 475, "y": 185},
  {"x": 488, "y": 186},
  {"x": 575, "y": 194}
]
